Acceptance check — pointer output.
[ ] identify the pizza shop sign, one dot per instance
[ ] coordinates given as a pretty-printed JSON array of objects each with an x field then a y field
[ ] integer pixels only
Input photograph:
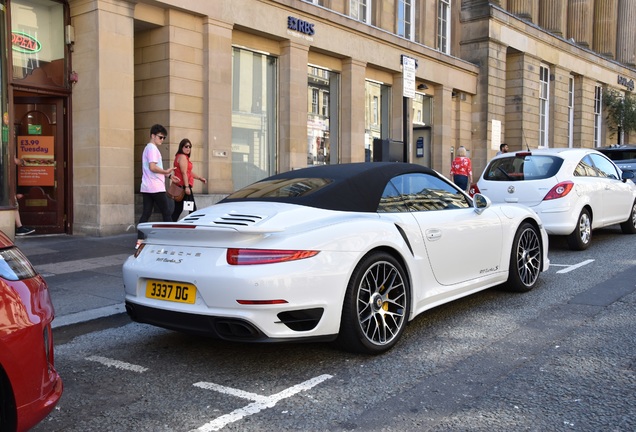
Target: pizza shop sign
[{"x": 25, "y": 43}]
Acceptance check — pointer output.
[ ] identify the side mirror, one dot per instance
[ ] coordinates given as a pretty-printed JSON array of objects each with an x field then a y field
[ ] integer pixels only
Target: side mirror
[
  {"x": 481, "y": 203},
  {"x": 627, "y": 175}
]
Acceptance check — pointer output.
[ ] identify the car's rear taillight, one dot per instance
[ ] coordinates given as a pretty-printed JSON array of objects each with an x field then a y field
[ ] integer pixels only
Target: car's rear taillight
[
  {"x": 559, "y": 191},
  {"x": 237, "y": 256},
  {"x": 139, "y": 247},
  {"x": 474, "y": 189}
]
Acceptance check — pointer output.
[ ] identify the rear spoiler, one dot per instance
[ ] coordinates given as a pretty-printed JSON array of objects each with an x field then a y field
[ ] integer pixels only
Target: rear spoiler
[{"x": 149, "y": 226}]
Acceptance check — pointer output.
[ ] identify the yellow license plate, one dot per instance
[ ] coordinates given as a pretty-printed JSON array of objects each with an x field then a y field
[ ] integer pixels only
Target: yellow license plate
[{"x": 171, "y": 291}]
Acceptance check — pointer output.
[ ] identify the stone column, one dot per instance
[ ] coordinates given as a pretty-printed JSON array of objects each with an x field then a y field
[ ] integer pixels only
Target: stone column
[
  {"x": 217, "y": 148},
  {"x": 292, "y": 135},
  {"x": 490, "y": 103},
  {"x": 580, "y": 21},
  {"x": 525, "y": 9},
  {"x": 443, "y": 134},
  {"x": 103, "y": 117},
  {"x": 352, "y": 107},
  {"x": 553, "y": 16},
  {"x": 559, "y": 88},
  {"x": 605, "y": 24},
  {"x": 583, "y": 129},
  {"x": 522, "y": 101},
  {"x": 626, "y": 36}
]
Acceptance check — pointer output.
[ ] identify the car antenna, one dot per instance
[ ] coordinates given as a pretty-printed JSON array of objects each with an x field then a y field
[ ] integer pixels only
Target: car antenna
[{"x": 523, "y": 131}]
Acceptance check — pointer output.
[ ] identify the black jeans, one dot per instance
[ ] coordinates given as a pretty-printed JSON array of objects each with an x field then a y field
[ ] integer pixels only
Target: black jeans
[{"x": 160, "y": 199}]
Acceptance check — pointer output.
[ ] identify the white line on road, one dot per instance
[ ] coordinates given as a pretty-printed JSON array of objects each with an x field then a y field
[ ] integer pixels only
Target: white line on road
[
  {"x": 569, "y": 268},
  {"x": 261, "y": 402},
  {"x": 116, "y": 363},
  {"x": 231, "y": 391}
]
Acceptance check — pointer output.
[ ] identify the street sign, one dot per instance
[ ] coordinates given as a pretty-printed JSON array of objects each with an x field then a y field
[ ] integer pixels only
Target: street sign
[{"x": 408, "y": 77}]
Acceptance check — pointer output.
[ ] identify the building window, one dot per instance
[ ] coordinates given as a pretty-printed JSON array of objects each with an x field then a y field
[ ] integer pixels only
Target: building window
[
  {"x": 375, "y": 107},
  {"x": 37, "y": 30},
  {"x": 253, "y": 116},
  {"x": 360, "y": 10},
  {"x": 571, "y": 112},
  {"x": 443, "y": 26},
  {"x": 423, "y": 110},
  {"x": 598, "y": 108},
  {"x": 315, "y": 94},
  {"x": 405, "y": 18},
  {"x": 322, "y": 116},
  {"x": 544, "y": 106},
  {"x": 376, "y": 115},
  {"x": 324, "y": 109}
]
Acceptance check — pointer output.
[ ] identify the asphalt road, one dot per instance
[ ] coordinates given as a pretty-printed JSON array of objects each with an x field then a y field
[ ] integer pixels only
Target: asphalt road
[{"x": 559, "y": 358}]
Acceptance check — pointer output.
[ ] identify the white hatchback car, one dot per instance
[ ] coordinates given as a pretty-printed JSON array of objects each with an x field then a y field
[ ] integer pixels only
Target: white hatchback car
[{"x": 574, "y": 191}]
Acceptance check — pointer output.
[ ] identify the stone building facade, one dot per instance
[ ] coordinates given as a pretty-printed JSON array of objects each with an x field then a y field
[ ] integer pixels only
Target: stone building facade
[{"x": 265, "y": 86}]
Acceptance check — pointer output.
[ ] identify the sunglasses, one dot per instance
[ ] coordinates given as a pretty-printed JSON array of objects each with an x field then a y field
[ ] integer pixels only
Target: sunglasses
[
  {"x": 187, "y": 146},
  {"x": 161, "y": 137}
]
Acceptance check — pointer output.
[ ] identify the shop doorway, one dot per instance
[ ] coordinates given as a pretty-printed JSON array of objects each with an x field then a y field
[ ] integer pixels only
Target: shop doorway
[{"x": 41, "y": 175}]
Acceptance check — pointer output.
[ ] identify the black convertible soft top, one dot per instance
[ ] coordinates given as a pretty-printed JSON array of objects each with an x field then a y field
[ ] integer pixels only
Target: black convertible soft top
[{"x": 355, "y": 187}]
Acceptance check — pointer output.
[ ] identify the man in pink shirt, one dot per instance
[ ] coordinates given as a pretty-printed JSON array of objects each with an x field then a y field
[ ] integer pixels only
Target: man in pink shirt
[{"x": 153, "y": 178}]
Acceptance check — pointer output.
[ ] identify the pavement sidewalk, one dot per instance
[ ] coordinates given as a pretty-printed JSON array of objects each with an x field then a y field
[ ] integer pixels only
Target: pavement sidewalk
[{"x": 84, "y": 274}]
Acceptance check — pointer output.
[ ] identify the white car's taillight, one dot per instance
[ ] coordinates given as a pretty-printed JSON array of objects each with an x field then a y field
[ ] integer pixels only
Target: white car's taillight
[
  {"x": 237, "y": 256},
  {"x": 559, "y": 191}
]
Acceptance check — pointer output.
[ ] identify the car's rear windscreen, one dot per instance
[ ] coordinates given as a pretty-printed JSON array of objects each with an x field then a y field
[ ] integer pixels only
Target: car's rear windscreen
[{"x": 528, "y": 167}]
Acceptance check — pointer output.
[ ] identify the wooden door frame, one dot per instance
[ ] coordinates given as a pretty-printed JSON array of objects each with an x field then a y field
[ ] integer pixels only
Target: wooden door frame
[{"x": 63, "y": 142}]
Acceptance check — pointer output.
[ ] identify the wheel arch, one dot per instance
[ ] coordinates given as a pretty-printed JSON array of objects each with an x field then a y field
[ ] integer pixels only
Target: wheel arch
[
  {"x": 536, "y": 225},
  {"x": 587, "y": 206}
]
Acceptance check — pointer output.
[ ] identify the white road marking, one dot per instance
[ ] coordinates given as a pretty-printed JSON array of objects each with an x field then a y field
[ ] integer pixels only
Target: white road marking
[
  {"x": 260, "y": 402},
  {"x": 569, "y": 268},
  {"x": 116, "y": 363},
  {"x": 231, "y": 391}
]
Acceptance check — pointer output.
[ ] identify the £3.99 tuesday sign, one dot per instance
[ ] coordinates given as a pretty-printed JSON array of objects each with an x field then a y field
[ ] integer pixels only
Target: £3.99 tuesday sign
[{"x": 38, "y": 161}]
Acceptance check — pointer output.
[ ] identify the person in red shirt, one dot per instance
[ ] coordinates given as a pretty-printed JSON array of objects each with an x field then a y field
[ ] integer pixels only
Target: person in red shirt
[
  {"x": 462, "y": 170},
  {"x": 184, "y": 176}
]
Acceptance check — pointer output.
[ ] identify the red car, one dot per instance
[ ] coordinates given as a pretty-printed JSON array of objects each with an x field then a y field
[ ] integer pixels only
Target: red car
[{"x": 30, "y": 387}]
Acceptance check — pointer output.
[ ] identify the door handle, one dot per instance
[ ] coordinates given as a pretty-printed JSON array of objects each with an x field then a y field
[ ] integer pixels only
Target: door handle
[{"x": 433, "y": 234}]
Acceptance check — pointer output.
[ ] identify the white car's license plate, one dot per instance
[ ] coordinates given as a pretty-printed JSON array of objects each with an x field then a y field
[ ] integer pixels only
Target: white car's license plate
[{"x": 171, "y": 291}]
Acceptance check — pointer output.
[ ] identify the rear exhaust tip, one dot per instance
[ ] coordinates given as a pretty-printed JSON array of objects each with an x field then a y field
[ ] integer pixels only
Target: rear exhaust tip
[{"x": 130, "y": 310}]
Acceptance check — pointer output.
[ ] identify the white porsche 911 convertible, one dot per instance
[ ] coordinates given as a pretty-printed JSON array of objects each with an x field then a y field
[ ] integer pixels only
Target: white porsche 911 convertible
[{"x": 348, "y": 252}]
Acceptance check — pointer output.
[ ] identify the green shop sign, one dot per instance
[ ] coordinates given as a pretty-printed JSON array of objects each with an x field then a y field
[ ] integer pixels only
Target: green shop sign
[{"x": 34, "y": 129}]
